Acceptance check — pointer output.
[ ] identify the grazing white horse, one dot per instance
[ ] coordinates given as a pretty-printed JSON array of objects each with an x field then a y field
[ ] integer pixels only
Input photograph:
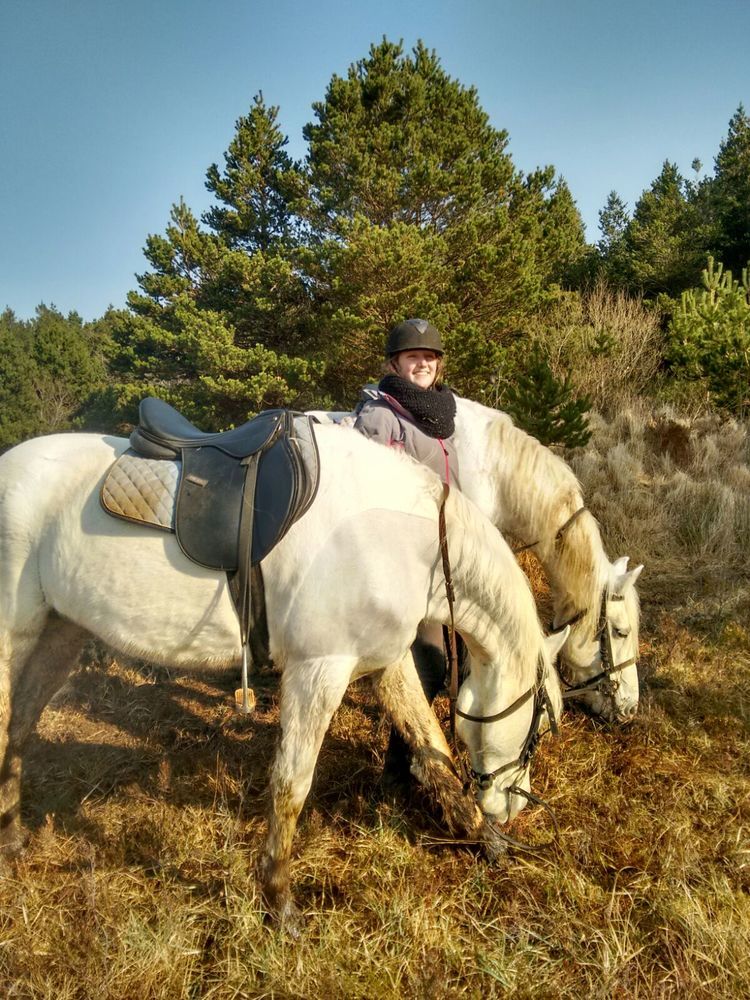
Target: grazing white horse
[
  {"x": 346, "y": 589},
  {"x": 531, "y": 494}
]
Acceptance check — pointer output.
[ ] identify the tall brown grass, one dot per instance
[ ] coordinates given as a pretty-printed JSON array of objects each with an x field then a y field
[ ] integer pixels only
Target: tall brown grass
[
  {"x": 672, "y": 491},
  {"x": 144, "y": 798},
  {"x": 609, "y": 344}
]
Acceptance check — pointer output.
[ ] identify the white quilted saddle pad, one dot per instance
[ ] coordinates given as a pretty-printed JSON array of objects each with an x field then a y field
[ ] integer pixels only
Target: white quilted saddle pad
[{"x": 142, "y": 490}]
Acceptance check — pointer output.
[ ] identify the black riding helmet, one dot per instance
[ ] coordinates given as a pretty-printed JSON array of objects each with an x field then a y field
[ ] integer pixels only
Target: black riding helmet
[{"x": 413, "y": 334}]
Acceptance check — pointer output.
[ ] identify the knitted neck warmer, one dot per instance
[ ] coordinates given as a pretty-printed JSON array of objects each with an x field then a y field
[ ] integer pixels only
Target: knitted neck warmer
[{"x": 432, "y": 409}]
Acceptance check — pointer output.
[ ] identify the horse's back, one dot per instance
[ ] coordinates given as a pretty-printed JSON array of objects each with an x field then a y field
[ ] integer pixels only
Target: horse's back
[{"x": 56, "y": 459}]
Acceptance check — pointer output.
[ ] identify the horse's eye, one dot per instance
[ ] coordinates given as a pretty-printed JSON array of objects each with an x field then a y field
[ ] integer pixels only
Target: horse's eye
[{"x": 621, "y": 633}]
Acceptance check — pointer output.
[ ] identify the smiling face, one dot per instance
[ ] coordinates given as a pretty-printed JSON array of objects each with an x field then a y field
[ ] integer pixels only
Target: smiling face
[{"x": 417, "y": 366}]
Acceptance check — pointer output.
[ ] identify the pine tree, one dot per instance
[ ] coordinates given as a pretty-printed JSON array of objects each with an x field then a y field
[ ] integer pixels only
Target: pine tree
[
  {"x": 729, "y": 195},
  {"x": 709, "y": 337},
  {"x": 403, "y": 157},
  {"x": 182, "y": 261},
  {"x": 614, "y": 220},
  {"x": 224, "y": 307},
  {"x": 259, "y": 186},
  {"x": 49, "y": 368},
  {"x": 17, "y": 370},
  {"x": 398, "y": 140},
  {"x": 547, "y": 407},
  {"x": 661, "y": 242}
]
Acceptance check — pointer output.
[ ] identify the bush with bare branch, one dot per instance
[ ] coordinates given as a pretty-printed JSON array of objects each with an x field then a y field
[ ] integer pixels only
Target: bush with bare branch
[{"x": 608, "y": 343}]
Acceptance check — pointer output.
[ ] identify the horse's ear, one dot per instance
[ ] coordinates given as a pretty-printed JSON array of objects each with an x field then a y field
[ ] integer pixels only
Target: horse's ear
[
  {"x": 621, "y": 578},
  {"x": 620, "y": 566},
  {"x": 632, "y": 576},
  {"x": 555, "y": 642}
]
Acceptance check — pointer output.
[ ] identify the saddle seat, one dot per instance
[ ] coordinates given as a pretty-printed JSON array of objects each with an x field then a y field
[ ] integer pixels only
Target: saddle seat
[{"x": 163, "y": 432}]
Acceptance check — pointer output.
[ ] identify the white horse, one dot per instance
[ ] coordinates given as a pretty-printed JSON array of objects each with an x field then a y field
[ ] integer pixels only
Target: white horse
[
  {"x": 531, "y": 494},
  {"x": 346, "y": 589}
]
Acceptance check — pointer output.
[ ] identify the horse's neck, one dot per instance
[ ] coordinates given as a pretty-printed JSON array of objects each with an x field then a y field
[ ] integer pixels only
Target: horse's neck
[
  {"x": 529, "y": 493},
  {"x": 495, "y": 610}
]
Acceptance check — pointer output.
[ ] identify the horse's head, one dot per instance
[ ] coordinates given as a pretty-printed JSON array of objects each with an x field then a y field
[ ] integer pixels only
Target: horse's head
[
  {"x": 501, "y": 723},
  {"x": 599, "y": 659}
]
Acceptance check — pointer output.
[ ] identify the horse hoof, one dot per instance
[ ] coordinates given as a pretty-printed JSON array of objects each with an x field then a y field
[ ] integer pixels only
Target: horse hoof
[
  {"x": 12, "y": 846},
  {"x": 290, "y": 920},
  {"x": 494, "y": 847}
]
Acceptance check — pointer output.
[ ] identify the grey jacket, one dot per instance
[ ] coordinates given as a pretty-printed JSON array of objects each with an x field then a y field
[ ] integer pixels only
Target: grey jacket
[{"x": 385, "y": 420}]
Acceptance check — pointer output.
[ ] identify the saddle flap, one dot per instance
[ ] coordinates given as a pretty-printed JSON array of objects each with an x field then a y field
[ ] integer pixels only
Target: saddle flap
[
  {"x": 229, "y": 513},
  {"x": 209, "y": 502}
]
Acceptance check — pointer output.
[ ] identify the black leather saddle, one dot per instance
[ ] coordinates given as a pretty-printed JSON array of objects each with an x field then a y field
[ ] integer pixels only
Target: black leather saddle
[
  {"x": 238, "y": 494},
  {"x": 240, "y": 490}
]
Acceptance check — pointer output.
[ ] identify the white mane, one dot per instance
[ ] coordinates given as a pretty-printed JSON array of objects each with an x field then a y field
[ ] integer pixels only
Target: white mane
[
  {"x": 486, "y": 573},
  {"x": 534, "y": 493}
]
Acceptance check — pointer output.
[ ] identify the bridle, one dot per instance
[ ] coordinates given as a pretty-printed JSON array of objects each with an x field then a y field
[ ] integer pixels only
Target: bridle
[
  {"x": 485, "y": 780},
  {"x": 538, "y": 691},
  {"x": 542, "y": 704},
  {"x": 606, "y": 681}
]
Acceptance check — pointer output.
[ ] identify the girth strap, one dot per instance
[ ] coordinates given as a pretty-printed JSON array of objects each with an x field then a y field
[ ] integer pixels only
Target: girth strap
[{"x": 246, "y": 586}]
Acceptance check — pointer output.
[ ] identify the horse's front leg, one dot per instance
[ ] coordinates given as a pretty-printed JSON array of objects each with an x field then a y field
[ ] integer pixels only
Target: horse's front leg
[
  {"x": 400, "y": 692},
  {"x": 311, "y": 691}
]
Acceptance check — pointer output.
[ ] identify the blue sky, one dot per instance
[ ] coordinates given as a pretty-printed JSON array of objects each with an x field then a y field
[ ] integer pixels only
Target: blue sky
[{"x": 112, "y": 110}]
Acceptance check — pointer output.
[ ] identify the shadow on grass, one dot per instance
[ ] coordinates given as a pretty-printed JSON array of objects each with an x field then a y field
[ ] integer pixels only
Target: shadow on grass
[{"x": 177, "y": 740}]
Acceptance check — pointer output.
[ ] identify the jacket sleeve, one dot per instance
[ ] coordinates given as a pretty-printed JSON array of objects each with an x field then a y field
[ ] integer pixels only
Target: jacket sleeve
[{"x": 379, "y": 422}]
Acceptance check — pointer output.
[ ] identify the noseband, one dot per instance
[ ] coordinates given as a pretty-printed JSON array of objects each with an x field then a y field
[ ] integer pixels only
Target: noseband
[
  {"x": 606, "y": 677},
  {"x": 542, "y": 703}
]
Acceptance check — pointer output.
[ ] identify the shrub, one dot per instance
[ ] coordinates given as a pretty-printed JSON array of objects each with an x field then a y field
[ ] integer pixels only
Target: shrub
[
  {"x": 709, "y": 338},
  {"x": 608, "y": 344},
  {"x": 546, "y": 406},
  {"x": 673, "y": 492}
]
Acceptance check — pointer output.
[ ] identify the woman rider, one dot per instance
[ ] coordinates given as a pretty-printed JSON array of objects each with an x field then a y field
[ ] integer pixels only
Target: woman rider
[{"x": 410, "y": 409}]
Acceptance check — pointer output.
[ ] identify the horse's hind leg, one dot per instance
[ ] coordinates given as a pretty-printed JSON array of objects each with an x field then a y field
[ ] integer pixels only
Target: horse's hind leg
[
  {"x": 400, "y": 692},
  {"x": 429, "y": 659},
  {"x": 311, "y": 692},
  {"x": 25, "y": 688}
]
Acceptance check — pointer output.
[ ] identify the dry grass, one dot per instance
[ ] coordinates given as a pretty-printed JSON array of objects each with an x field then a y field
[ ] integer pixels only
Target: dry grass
[
  {"x": 144, "y": 799},
  {"x": 608, "y": 343},
  {"x": 673, "y": 493}
]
